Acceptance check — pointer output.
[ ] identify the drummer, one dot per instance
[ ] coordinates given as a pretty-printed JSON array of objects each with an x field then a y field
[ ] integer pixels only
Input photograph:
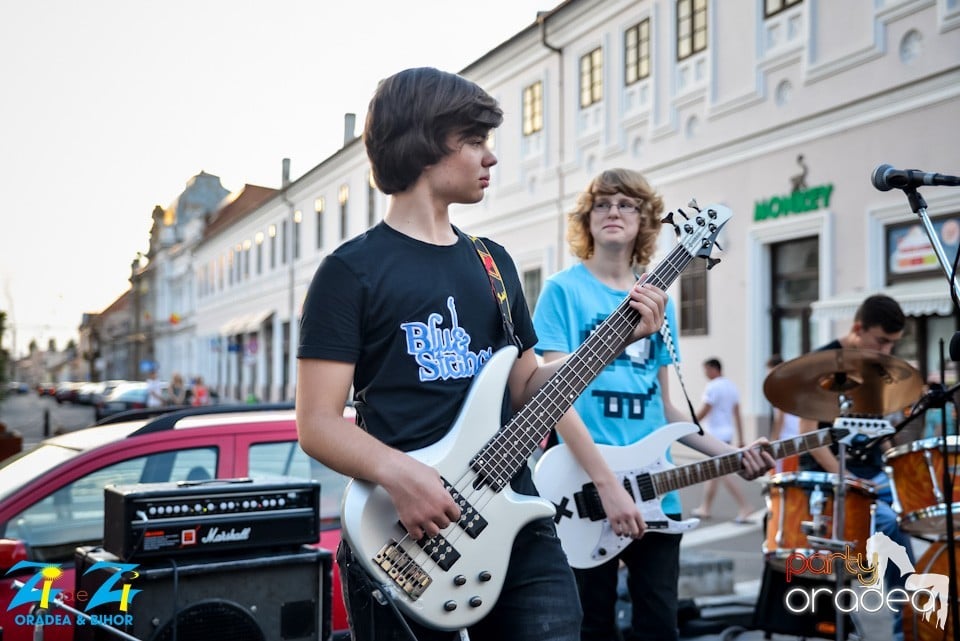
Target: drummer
[{"x": 877, "y": 325}]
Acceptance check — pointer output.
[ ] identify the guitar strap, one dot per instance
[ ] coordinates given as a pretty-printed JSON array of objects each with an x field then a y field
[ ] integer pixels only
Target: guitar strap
[
  {"x": 499, "y": 290},
  {"x": 667, "y": 335}
]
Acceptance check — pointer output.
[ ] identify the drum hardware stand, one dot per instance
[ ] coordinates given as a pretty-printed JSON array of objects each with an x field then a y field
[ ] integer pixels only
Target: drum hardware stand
[{"x": 836, "y": 543}]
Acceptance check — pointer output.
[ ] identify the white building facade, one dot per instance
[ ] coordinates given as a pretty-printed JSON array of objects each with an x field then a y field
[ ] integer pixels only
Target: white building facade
[{"x": 779, "y": 110}]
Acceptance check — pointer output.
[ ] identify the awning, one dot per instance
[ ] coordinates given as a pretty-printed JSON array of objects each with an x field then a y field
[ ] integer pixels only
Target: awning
[
  {"x": 919, "y": 298},
  {"x": 245, "y": 324}
]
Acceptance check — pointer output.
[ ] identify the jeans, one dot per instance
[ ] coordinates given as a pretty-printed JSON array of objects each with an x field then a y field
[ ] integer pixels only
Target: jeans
[
  {"x": 538, "y": 600},
  {"x": 653, "y": 566}
]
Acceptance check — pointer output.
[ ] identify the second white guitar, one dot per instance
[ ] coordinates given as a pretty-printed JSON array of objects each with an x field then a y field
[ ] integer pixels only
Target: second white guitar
[{"x": 586, "y": 534}]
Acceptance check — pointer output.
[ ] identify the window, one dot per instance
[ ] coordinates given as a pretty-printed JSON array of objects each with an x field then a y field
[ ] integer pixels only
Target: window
[
  {"x": 284, "y": 234},
  {"x": 773, "y": 7},
  {"x": 795, "y": 279},
  {"x": 285, "y": 458},
  {"x": 691, "y": 27},
  {"x": 910, "y": 255},
  {"x": 246, "y": 259},
  {"x": 318, "y": 206},
  {"x": 371, "y": 201},
  {"x": 533, "y": 108},
  {"x": 272, "y": 232},
  {"x": 693, "y": 299},
  {"x": 259, "y": 240},
  {"x": 297, "y": 218},
  {"x": 636, "y": 52},
  {"x": 532, "y": 282},
  {"x": 344, "y": 197},
  {"x": 591, "y": 78}
]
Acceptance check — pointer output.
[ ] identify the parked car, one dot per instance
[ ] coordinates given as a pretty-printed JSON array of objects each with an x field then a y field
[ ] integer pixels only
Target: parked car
[
  {"x": 129, "y": 395},
  {"x": 17, "y": 387},
  {"x": 52, "y": 496}
]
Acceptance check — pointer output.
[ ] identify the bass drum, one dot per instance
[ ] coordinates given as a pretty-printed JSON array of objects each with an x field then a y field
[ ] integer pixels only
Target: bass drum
[{"x": 935, "y": 566}]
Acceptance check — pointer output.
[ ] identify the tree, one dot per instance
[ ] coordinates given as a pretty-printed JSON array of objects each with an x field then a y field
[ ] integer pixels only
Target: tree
[{"x": 52, "y": 345}]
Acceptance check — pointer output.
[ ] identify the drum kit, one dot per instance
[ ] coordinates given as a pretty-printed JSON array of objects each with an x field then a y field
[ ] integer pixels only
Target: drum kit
[{"x": 811, "y": 513}]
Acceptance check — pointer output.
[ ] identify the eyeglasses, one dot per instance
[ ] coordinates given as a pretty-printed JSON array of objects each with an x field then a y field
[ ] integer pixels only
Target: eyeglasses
[{"x": 624, "y": 207}]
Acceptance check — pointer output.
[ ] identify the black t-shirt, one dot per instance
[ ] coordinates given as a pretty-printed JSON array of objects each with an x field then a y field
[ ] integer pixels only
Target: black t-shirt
[
  {"x": 863, "y": 464},
  {"x": 417, "y": 320}
]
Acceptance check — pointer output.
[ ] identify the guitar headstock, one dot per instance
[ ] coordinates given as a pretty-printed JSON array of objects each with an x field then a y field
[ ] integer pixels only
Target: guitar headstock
[
  {"x": 697, "y": 232},
  {"x": 862, "y": 427}
]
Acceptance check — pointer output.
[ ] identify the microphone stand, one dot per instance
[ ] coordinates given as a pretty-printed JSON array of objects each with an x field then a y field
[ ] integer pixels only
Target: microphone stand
[{"x": 919, "y": 207}]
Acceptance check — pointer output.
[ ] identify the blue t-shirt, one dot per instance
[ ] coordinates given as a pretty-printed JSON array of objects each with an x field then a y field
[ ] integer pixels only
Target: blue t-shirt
[{"x": 624, "y": 403}]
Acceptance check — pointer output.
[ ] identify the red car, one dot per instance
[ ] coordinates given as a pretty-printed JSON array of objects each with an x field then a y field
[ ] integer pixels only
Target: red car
[{"x": 52, "y": 496}]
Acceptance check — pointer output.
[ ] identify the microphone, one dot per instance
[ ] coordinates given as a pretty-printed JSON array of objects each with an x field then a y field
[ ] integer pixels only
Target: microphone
[{"x": 886, "y": 178}]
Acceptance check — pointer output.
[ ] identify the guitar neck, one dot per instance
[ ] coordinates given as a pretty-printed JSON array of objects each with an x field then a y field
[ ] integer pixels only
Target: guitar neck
[
  {"x": 685, "y": 475},
  {"x": 503, "y": 456}
]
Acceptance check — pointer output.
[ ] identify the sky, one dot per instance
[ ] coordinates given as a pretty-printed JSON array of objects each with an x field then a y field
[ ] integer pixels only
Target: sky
[{"x": 108, "y": 108}]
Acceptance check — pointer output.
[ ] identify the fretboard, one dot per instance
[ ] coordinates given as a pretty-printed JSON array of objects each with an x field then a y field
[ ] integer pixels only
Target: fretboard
[{"x": 693, "y": 473}]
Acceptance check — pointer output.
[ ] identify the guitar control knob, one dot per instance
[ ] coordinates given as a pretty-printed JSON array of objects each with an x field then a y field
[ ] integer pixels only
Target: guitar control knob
[
  {"x": 484, "y": 576},
  {"x": 450, "y": 606},
  {"x": 602, "y": 551},
  {"x": 475, "y": 602},
  {"x": 459, "y": 580}
]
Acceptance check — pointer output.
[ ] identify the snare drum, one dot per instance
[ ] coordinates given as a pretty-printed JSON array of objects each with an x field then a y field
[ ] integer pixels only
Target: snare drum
[
  {"x": 916, "y": 472},
  {"x": 798, "y": 498}
]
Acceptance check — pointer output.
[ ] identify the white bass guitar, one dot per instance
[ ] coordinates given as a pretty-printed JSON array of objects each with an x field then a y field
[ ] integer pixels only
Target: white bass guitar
[
  {"x": 453, "y": 580},
  {"x": 643, "y": 468}
]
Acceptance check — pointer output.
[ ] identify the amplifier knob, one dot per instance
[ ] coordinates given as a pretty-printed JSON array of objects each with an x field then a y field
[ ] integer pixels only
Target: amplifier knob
[{"x": 450, "y": 606}]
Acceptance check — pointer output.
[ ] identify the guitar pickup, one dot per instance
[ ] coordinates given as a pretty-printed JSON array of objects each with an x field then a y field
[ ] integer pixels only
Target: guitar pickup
[
  {"x": 588, "y": 503},
  {"x": 470, "y": 519},
  {"x": 440, "y": 550},
  {"x": 402, "y": 569}
]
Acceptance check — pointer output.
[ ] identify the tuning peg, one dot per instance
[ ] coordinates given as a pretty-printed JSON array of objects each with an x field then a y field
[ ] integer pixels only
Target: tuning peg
[
  {"x": 693, "y": 204},
  {"x": 680, "y": 211},
  {"x": 719, "y": 248},
  {"x": 711, "y": 262}
]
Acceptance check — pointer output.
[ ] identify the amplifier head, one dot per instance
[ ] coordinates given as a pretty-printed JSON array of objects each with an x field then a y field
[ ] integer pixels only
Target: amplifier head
[{"x": 210, "y": 517}]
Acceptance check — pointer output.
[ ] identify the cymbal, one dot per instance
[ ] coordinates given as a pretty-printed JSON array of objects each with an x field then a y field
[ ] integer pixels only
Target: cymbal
[{"x": 810, "y": 386}]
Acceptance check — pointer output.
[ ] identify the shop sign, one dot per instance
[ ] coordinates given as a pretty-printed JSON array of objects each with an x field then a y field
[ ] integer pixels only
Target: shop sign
[{"x": 799, "y": 202}]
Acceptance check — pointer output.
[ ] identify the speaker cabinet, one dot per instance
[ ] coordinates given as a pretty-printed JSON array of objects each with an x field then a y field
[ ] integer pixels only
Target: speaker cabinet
[{"x": 284, "y": 596}]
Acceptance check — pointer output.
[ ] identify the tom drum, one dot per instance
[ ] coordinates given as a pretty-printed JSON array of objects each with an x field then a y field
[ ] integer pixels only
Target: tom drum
[
  {"x": 916, "y": 478},
  {"x": 801, "y": 503}
]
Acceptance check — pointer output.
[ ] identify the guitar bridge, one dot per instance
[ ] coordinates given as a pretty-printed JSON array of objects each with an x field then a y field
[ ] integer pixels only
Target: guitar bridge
[{"x": 398, "y": 565}]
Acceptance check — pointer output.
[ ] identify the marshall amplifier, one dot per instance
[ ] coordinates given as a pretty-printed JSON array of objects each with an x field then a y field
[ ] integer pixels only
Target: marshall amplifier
[{"x": 153, "y": 520}]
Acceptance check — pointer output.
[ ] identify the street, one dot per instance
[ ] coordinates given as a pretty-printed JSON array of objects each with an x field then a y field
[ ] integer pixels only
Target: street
[{"x": 36, "y": 417}]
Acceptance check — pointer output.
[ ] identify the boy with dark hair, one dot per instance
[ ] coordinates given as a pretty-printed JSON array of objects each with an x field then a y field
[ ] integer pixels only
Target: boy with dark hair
[
  {"x": 405, "y": 314},
  {"x": 877, "y": 325}
]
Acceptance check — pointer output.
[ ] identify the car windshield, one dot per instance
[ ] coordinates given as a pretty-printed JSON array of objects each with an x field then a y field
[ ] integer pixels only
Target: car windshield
[
  {"x": 22, "y": 469},
  {"x": 17, "y": 471}
]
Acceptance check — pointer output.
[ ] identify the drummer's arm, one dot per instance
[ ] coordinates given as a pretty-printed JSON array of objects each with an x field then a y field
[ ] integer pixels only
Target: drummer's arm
[{"x": 822, "y": 455}]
